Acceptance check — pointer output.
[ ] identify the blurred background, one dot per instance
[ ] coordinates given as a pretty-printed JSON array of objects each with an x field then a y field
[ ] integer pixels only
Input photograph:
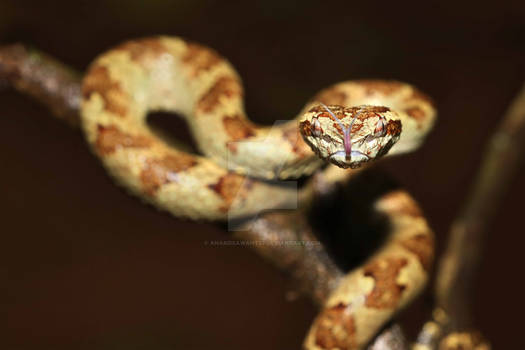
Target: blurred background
[{"x": 87, "y": 266}]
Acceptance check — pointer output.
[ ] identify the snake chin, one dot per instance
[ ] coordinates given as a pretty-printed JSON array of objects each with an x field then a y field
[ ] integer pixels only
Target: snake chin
[{"x": 355, "y": 160}]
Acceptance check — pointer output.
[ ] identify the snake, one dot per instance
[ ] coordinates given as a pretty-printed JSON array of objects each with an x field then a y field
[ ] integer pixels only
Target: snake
[
  {"x": 240, "y": 166},
  {"x": 171, "y": 74}
]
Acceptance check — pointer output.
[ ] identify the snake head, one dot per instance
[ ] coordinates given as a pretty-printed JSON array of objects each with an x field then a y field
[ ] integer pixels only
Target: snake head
[{"x": 350, "y": 136}]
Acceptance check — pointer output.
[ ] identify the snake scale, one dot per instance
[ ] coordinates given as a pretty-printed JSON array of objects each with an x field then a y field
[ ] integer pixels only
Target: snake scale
[{"x": 238, "y": 173}]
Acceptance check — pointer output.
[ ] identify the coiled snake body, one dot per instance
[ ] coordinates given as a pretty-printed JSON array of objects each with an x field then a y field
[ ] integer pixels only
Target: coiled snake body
[{"x": 165, "y": 73}]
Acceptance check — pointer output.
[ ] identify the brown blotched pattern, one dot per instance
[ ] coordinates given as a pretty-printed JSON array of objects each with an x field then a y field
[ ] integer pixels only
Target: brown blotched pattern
[
  {"x": 293, "y": 137},
  {"x": 110, "y": 138},
  {"x": 336, "y": 329},
  {"x": 237, "y": 127},
  {"x": 355, "y": 128},
  {"x": 422, "y": 246},
  {"x": 378, "y": 109},
  {"x": 200, "y": 59},
  {"x": 319, "y": 109},
  {"x": 98, "y": 81},
  {"x": 305, "y": 127},
  {"x": 393, "y": 127},
  {"x": 331, "y": 96},
  {"x": 141, "y": 50},
  {"x": 340, "y": 112},
  {"x": 382, "y": 86},
  {"x": 387, "y": 291},
  {"x": 158, "y": 172},
  {"x": 418, "y": 95},
  {"x": 224, "y": 87},
  {"x": 228, "y": 188},
  {"x": 418, "y": 114}
]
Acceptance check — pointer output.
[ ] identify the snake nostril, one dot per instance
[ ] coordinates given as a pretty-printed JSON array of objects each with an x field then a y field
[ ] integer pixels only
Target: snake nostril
[{"x": 316, "y": 128}]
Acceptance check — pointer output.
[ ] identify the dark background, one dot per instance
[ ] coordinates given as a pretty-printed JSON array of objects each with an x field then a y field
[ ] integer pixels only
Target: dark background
[{"x": 87, "y": 266}]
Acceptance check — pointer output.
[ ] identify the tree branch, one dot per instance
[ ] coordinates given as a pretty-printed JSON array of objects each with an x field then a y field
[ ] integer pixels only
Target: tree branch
[
  {"x": 44, "y": 78},
  {"x": 459, "y": 265}
]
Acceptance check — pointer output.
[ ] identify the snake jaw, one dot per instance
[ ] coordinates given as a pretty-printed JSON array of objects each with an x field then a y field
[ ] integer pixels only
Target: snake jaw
[{"x": 345, "y": 160}]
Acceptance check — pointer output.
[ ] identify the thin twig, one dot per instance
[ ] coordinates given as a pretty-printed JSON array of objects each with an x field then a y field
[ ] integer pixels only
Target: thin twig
[
  {"x": 303, "y": 257},
  {"x": 44, "y": 78},
  {"x": 460, "y": 263}
]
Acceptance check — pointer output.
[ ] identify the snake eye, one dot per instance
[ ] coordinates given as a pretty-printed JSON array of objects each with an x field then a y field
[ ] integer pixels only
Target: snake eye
[
  {"x": 316, "y": 128},
  {"x": 380, "y": 128}
]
